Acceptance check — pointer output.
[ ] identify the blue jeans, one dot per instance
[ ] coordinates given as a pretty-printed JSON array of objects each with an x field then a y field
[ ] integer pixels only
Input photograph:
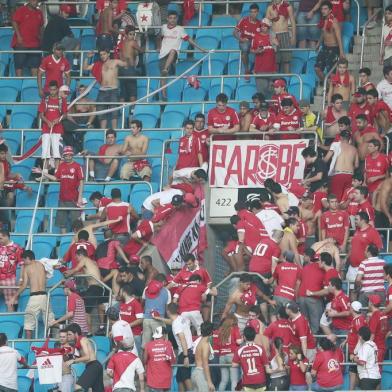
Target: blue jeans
[
  {"x": 311, "y": 33},
  {"x": 228, "y": 373},
  {"x": 316, "y": 388},
  {"x": 298, "y": 388}
]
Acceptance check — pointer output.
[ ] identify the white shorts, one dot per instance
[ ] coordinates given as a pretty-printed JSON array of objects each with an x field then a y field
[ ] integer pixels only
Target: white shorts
[
  {"x": 351, "y": 274},
  {"x": 51, "y": 145},
  {"x": 194, "y": 318},
  {"x": 242, "y": 321},
  {"x": 325, "y": 321}
]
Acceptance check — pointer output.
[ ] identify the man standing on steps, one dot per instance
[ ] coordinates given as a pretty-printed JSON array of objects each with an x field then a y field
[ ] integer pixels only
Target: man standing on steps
[
  {"x": 34, "y": 274},
  {"x": 330, "y": 39},
  {"x": 384, "y": 88}
]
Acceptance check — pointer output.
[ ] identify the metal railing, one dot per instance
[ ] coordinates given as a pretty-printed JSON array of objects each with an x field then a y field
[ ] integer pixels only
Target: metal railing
[
  {"x": 7, "y": 314},
  {"x": 99, "y": 283},
  {"x": 364, "y": 32}
]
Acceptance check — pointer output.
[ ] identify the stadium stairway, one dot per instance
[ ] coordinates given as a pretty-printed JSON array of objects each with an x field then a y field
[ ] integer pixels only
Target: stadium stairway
[{"x": 370, "y": 60}]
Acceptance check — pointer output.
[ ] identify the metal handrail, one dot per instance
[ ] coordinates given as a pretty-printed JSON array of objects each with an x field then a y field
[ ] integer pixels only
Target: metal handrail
[
  {"x": 325, "y": 94},
  {"x": 78, "y": 276},
  {"x": 23, "y": 313},
  {"x": 364, "y": 32}
]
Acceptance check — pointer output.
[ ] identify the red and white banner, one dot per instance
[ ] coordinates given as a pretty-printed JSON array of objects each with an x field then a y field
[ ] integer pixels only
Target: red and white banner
[
  {"x": 247, "y": 163},
  {"x": 184, "y": 232}
]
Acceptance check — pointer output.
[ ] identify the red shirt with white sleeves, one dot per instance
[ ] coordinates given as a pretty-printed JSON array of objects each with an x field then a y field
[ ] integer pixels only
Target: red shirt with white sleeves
[
  {"x": 302, "y": 330},
  {"x": 183, "y": 276},
  {"x": 341, "y": 303},
  {"x": 69, "y": 175},
  {"x": 288, "y": 122},
  {"x": 248, "y": 28},
  {"x": 188, "y": 150},
  {"x": 130, "y": 312},
  {"x": 54, "y": 70},
  {"x": 227, "y": 119},
  {"x": 335, "y": 224},
  {"x": 190, "y": 296},
  {"x": 264, "y": 123},
  {"x": 374, "y": 167}
]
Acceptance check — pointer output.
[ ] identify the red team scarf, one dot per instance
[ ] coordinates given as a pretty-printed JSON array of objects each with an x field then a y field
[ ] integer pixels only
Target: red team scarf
[
  {"x": 282, "y": 9},
  {"x": 336, "y": 81},
  {"x": 188, "y": 7},
  {"x": 326, "y": 22},
  {"x": 97, "y": 71}
]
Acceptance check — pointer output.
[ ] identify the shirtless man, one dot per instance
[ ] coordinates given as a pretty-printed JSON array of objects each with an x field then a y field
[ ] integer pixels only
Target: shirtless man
[
  {"x": 344, "y": 161},
  {"x": 136, "y": 144},
  {"x": 237, "y": 299},
  {"x": 105, "y": 168},
  {"x": 307, "y": 215},
  {"x": 383, "y": 202},
  {"x": 365, "y": 133},
  {"x": 289, "y": 241},
  {"x": 280, "y": 12},
  {"x": 34, "y": 274},
  {"x": 84, "y": 105},
  {"x": 342, "y": 83},
  {"x": 331, "y": 116},
  {"x": 94, "y": 295},
  {"x": 106, "y": 73},
  {"x": 92, "y": 376},
  {"x": 201, "y": 376},
  {"x": 329, "y": 246},
  {"x": 129, "y": 52},
  {"x": 149, "y": 271},
  {"x": 330, "y": 39},
  {"x": 106, "y": 38},
  {"x": 245, "y": 116}
]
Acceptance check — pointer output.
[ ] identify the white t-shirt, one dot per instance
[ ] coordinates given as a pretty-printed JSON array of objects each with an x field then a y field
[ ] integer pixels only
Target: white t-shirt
[
  {"x": 271, "y": 220},
  {"x": 388, "y": 49},
  {"x": 164, "y": 197},
  {"x": 367, "y": 352},
  {"x": 182, "y": 325},
  {"x": 172, "y": 39},
  {"x": 384, "y": 89},
  {"x": 293, "y": 200},
  {"x": 8, "y": 367},
  {"x": 121, "y": 331}
]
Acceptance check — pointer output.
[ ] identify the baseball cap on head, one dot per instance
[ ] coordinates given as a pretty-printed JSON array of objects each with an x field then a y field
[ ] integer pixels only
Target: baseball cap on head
[
  {"x": 113, "y": 313},
  {"x": 70, "y": 284},
  {"x": 264, "y": 106},
  {"x": 266, "y": 22},
  {"x": 153, "y": 289},
  {"x": 360, "y": 91},
  {"x": 375, "y": 299},
  {"x": 159, "y": 332},
  {"x": 177, "y": 200},
  {"x": 279, "y": 83},
  {"x": 356, "y": 306},
  {"x": 68, "y": 150}
]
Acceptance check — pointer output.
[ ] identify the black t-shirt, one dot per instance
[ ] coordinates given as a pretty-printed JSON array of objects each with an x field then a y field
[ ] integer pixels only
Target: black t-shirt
[
  {"x": 56, "y": 29},
  {"x": 138, "y": 285},
  {"x": 318, "y": 166}
]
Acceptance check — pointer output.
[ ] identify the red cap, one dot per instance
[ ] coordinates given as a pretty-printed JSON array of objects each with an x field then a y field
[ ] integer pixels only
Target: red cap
[
  {"x": 68, "y": 150},
  {"x": 153, "y": 289},
  {"x": 66, "y": 8},
  {"x": 191, "y": 199},
  {"x": 249, "y": 298},
  {"x": 70, "y": 284},
  {"x": 134, "y": 259},
  {"x": 280, "y": 83},
  {"x": 374, "y": 299},
  {"x": 254, "y": 324}
]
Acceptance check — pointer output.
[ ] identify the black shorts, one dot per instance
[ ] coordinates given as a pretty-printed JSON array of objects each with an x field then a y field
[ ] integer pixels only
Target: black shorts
[
  {"x": 264, "y": 288},
  {"x": 327, "y": 57},
  {"x": 353, "y": 369},
  {"x": 27, "y": 60},
  {"x": 369, "y": 384},
  {"x": 184, "y": 373},
  {"x": 94, "y": 296},
  {"x": 92, "y": 377}
]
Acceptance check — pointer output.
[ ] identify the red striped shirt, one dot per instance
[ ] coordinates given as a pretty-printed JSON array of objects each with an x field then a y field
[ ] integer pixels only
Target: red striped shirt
[{"x": 372, "y": 270}]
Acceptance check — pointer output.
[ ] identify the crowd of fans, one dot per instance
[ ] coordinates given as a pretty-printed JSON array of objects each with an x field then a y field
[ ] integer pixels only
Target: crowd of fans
[{"x": 308, "y": 256}]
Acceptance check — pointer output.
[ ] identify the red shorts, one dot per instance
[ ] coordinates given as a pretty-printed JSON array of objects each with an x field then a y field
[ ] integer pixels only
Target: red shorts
[
  {"x": 338, "y": 184},
  {"x": 132, "y": 247},
  {"x": 8, "y": 293}
]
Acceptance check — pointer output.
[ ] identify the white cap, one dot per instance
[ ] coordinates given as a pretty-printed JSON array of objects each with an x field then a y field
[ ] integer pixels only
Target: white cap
[
  {"x": 356, "y": 306},
  {"x": 128, "y": 342},
  {"x": 64, "y": 87},
  {"x": 158, "y": 333}
]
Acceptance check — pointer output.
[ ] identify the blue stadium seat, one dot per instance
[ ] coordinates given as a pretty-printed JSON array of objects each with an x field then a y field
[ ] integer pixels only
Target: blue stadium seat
[
  {"x": 124, "y": 188},
  {"x": 5, "y": 41},
  {"x": 154, "y": 147},
  {"x": 19, "y": 239},
  {"x": 30, "y": 94},
  {"x": 78, "y": 369},
  {"x": 218, "y": 87},
  {"x": 42, "y": 249},
  {"x": 206, "y": 42},
  {"x": 223, "y": 20},
  {"x": 174, "y": 90},
  {"x": 26, "y": 199},
  {"x": 65, "y": 243},
  {"x": 348, "y": 29},
  {"x": 10, "y": 328},
  {"x": 21, "y": 120},
  {"x": 172, "y": 119},
  {"x": 297, "y": 65},
  {"x": 205, "y": 17},
  {"x": 153, "y": 68},
  {"x": 309, "y": 79},
  {"x": 31, "y": 109},
  {"x": 201, "y": 33},
  {"x": 229, "y": 42},
  {"x": 346, "y": 41},
  {"x": 94, "y": 140},
  {"x": 213, "y": 67},
  {"x": 23, "y": 221},
  {"x": 388, "y": 259},
  {"x": 233, "y": 64},
  {"x": 24, "y": 383},
  {"x": 245, "y": 92},
  {"x": 23, "y": 299},
  {"x": 156, "y": 173},
  {"x": 58, "y": 302},
  {"x": 307, "y": 93},
  {"x": 102, "y": 343},
  {"x": 17, "y": 83},
  {"x": 57, "y": 277},
  {"x": 310, "y": 65},
  {"x": 23, "y": 348},
  {"x": 386, "y": 380},
  {"x": 13, "y": 140},
  {"x": 8, "y": 94},
  {"x": 148, "y": 114},
  {"x": 184, "y": 65},
  {"x": 101, "y": 356},
  {"x": 88, "y": 42},
  {"x": 138, "y": 194},
  {"x": 183, "y": 109},
  {"x": 191, "y": 94}
]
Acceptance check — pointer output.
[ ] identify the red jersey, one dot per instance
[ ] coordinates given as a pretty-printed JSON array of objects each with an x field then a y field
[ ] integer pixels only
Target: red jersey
[
  {"x": 263, "y": 124},
  {"x": 115, "y": 210},
  {"x": 71, "y": 252},
  {"x": 378, "y": 324},
  {"x": 277, "y": 99},
  {"x": 160, "y": 357},
  {"x": 183, "y": 276},
  {"x": 355, "y": 110},
  {"x": 375, "y": 167},
  {"x": 69, "y": 175},
  {"x": 329, "y": 274},
  {"x": 54, "y": 70},
  {"x": 297, "y": 376},
  {"x": 367, "y": 207},
  {"x": 352, "y": 208},
  {"x": 288, "y": 122},
  {"x": 30, "y": 22},
  {"x": 53, "y": 109},
  {"x": 335, "y": 224},
  {"x": 253, "y": 220},
  {"x": 360, "y": 241},
  {"x": 388, "y": 299},
  {"x": 378, "y": 107},
  {"x": 252, "y": 236},
  {"x": 312, "y": 279},
  {"x": 266, "y": 60},
  {"x": 188, "y": 152},
  {"x": 286, "y": 275},
  {"x": 353, "y": 337},
  {"x": 10, "y": 257},
  {"x": 191, "y": 296},
  {"x": 227, "y": 119},
  {"x": 302, "y": 330},
  {"x": 261, "y": 260},
  {"x": 130, "y": 312},
  {"x": 247, "y": 28},
  {"x": 318, "y": 198},
  {"x": 281, "y": 328},
  {"x": 338, "y": 10},
  {"x": 120, "y": 363},
  {"x": 252, "y": 359},
  {"x": 231, "y": 345},
  {"x": 203, "y": 136},
  {"x": 302, "y": 233},
  {"x": 327, "y": 365},
  {"x": 341, "y": 303}
]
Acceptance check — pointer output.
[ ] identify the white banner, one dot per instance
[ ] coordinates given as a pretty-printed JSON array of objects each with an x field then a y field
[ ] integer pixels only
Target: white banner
[{"x": 247, "y": 163}]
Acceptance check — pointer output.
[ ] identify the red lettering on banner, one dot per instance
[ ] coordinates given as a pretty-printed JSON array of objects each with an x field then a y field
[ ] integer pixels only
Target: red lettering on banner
[
  {"x": 251, "y": 163},
  {"x": 235, "y": 167},
  {"x": 218, "y": 151}
]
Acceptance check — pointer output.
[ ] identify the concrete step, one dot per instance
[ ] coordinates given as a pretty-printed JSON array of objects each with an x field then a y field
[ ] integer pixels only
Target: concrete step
[
  {"x": 369, "y": 40},
  {"x": 318, "y": 101},
  {"x": 367, "y": 50}
]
